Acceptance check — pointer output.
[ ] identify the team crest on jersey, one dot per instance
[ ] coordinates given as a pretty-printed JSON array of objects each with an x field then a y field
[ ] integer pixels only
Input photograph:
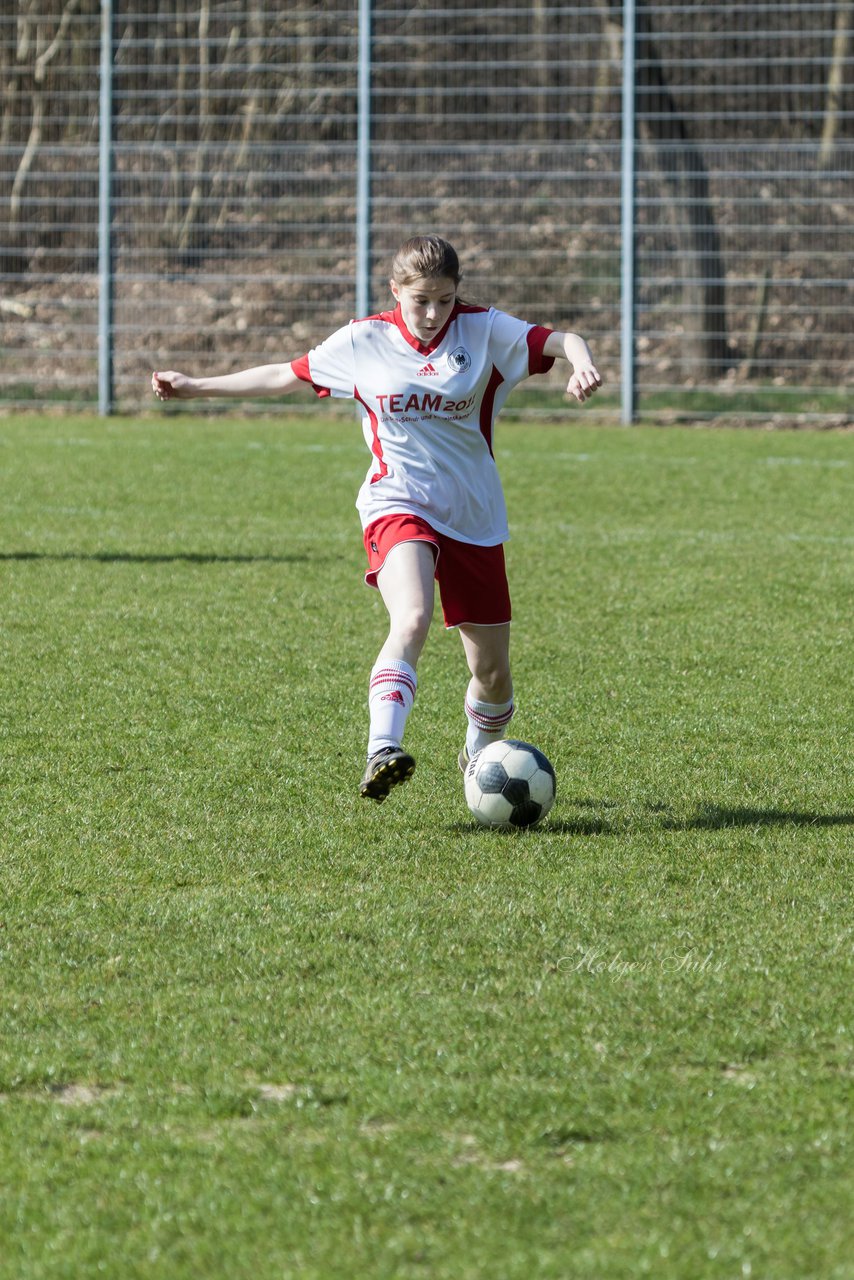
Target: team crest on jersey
[{"x": 459, "y": 360}]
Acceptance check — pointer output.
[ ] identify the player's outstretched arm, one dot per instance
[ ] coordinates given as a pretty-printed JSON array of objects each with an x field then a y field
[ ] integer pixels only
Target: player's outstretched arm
[
  {"x": 264, "y": 380},
  {"x": 585, "y": 377}
]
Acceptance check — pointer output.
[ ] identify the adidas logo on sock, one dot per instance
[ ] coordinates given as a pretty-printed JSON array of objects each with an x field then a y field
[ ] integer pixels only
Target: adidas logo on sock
[
  {"x": 427, "y": 370},
  {"x": 394, "y": 696}
]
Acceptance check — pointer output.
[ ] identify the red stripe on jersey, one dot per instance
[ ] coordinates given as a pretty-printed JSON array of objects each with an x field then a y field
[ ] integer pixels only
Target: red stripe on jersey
[
  {"x": 303, "y": 372},
  {"x": 396, "y": 318},
  {"x": 387, "y": 317},
  {"x": 421, "y": 347},
  {"x": 427, "y": 348},
  {"x": 537, "y": 338},
  {"x": 376, "y": 443},
  {"x": 487, "y": 407}
]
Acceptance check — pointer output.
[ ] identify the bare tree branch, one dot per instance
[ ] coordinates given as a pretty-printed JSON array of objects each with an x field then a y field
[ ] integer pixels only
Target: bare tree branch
[
  {"x": 39, "y": 67},
  {"x": 56, "y": 44},
  {"x": 201, "y": 157},
  {"x": 835, "y": 80}
]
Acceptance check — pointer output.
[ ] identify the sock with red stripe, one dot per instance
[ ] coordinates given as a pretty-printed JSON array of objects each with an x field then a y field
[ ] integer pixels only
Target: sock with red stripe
[
  {"x": 487, "y": 722},
  {"x": 390, "y": 699}
]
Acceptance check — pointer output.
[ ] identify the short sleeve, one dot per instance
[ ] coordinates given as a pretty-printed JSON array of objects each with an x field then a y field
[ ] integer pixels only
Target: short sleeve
[
  {"x": 538, "y": 362},
  {"x": 517, "y": 347},
  {"x": 329, "y": 367}
]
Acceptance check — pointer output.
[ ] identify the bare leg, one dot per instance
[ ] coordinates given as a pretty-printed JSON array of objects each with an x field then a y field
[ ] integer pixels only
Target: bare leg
[
  {"x": 407, "y": 588},
  {"x": 487, "y": 652},
  {"x": 489, "y": 697},
  {"x": 406, "y": 585}
]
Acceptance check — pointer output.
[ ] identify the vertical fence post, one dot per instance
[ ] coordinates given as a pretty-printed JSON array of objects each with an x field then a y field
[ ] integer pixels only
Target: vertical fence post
[
  {"x": 628, "y": 309},
  {"x": 363, "y": 165},
  {"x": 105, "y": 254}
]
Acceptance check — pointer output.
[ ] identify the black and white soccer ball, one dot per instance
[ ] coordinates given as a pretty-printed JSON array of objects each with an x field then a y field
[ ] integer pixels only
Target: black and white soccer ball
[{"x": 509, "y": 784}]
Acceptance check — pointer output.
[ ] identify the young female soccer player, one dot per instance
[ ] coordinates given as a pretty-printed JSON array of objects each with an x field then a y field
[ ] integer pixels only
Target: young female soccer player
[{"x": 431, "y": 376}]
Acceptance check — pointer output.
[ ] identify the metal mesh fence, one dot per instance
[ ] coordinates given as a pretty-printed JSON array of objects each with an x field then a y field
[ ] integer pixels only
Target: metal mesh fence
[{"x": 235, "y": 174}]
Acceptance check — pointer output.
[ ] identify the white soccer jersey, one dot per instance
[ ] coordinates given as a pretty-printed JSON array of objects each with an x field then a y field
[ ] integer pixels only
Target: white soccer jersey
[{"x": 429, "y": 412}]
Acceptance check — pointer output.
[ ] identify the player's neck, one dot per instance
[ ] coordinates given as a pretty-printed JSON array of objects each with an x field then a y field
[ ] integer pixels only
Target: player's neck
[{"x": 424, "y": 348}]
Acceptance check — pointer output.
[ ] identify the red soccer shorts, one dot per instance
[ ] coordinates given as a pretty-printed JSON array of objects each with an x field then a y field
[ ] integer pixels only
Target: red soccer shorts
[{"x": 472, "y": 580}]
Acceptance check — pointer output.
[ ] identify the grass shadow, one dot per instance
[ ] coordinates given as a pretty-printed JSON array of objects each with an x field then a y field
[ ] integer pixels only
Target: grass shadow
[
  {"x": 173, "y": 557},
  {"x": 719, "y": 817},
  {"x": 584, "y": 826},
  {"x": 591, "y": 826},
  {"x": 707, "y": 818}
]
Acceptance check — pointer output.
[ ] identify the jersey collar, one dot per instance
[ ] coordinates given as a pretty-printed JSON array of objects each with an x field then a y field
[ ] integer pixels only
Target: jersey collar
[{"x": 422, "y": 348}]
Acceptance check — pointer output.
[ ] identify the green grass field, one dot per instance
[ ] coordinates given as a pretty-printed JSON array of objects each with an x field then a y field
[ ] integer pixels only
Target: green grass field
[{"x": 255, "y": 1028}]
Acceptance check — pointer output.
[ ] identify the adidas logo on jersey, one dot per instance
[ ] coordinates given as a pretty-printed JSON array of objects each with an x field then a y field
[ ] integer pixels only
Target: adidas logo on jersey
[{"x": 427, "y": 371}]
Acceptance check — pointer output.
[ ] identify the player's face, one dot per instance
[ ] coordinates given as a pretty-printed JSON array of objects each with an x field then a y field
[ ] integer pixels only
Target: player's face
[{"x": 425, "y": 305}]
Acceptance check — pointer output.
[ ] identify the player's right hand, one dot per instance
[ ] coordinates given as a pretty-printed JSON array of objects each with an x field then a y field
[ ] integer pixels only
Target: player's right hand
[{"x": 171, "y": 385}]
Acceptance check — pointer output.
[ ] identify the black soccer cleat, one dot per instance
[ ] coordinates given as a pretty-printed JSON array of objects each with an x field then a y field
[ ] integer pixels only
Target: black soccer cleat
[{"x": 386, "y": 769}]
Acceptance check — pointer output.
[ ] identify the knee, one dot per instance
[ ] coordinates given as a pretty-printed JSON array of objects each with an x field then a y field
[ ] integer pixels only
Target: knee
[
  {"x": 493, "y": 678},
  {"x": 410, "y": 626}
]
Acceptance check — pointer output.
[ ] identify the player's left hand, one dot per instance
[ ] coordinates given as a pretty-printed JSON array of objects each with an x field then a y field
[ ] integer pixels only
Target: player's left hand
[{"x": 584, "y": 381}]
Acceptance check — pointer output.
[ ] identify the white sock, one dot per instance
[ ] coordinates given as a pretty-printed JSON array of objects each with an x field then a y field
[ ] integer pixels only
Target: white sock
[
  {"x": 390, "y": 699},
  {"x": 487, "y": 722}
]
